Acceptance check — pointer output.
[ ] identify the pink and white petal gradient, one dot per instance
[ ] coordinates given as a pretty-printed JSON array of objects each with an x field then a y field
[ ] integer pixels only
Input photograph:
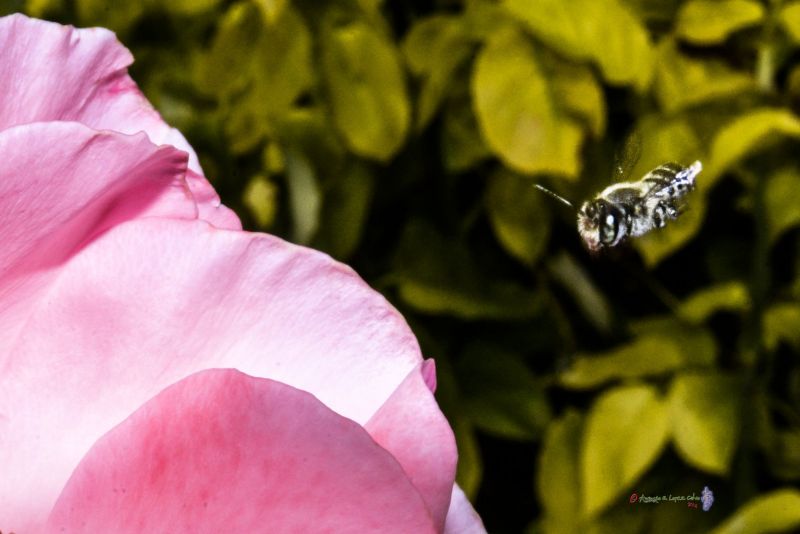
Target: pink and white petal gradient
[
  {"x": 52, "y": 72},
  {"x": 155, "y": 355},
  {"x": 189, "y": 458}
]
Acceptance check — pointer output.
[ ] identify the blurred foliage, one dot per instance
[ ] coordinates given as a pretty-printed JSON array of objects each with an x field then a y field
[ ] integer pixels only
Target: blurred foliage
[{"x": 403, "y": 137}]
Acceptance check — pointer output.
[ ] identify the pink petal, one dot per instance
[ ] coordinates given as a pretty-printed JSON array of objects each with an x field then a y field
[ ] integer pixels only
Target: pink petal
[
  {"x": 429, "y": 374},
  {"x": 62, "y": 184},
  {"x": 461, "y": 517},
  {"x": 52, "y": 72},
  {"x": 412, "y": 428},
  {"x": 154, "y": 300},
  {"x": 210, "y": 208},
  {"x": 224, "y": 452}
]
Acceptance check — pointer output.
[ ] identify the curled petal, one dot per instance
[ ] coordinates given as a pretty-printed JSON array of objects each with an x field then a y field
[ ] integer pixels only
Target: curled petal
[
  {"x": 63, "y": 184},
  {"x": 58, "y": 73},
  {"x": 411, "y": 427},
  {"x": 224, "y": 452}
]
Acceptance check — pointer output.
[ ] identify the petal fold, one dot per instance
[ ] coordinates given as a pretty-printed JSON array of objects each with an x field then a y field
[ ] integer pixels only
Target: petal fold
[
  {"x": 58, "y": 73},
  {"x": 224, "y": 452},
  {"x": 411, "y": 427},
  {"x": 63, "y": 184}
]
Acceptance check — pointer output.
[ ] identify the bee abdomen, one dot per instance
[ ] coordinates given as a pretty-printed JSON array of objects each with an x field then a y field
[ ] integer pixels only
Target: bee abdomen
[{"x": 671, "y": 180}]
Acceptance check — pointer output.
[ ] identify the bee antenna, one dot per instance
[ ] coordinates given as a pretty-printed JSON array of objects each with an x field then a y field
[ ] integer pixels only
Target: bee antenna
[{"x": 554, "y": 195}]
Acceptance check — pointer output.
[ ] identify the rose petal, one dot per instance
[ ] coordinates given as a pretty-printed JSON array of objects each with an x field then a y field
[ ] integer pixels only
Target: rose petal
[
  {"x": 411, "y": 427},
  {"x": 462, "y": 517},
  {"x": 53, "y": 72},
  {"x": 429, "y": 374},
  {"x": 224, "y": 452},
  {"x": 61, "y": 184},
  {"x": 154, "y": 300},
  {"x": 58, "y": 73},
  {"x": 209, "y": 205}
]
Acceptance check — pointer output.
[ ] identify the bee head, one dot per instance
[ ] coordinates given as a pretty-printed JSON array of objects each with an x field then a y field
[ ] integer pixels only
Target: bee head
[{"x": 599, "y": 224}]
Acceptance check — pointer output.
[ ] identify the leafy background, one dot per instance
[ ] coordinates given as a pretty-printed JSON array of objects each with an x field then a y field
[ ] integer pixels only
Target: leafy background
[{"x": 403, "y": 136}]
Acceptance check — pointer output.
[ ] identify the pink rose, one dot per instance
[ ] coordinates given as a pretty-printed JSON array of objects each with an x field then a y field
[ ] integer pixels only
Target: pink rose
[{"x": 164, "y": 371}]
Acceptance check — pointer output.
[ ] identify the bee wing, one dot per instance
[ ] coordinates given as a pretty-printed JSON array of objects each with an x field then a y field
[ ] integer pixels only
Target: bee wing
[{"x": 626, "y": 159}]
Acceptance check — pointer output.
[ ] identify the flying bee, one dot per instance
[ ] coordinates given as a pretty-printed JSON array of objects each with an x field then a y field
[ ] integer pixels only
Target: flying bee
[{"x": 631, "y": 209}]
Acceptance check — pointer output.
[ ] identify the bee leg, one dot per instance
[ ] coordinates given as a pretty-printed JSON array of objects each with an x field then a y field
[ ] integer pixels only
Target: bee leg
[
  {"x": 681, "y": 208},
  {"x": 659, "y": 215},
  {"x": 663, "y": 211}
]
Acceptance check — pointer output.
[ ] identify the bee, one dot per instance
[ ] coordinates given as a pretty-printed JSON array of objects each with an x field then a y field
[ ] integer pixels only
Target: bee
[{"x": 631, "y": 209}]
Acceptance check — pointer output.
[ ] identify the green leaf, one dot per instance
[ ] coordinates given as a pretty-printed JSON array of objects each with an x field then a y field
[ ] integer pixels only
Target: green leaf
[
  {"x": 572, "y": 276},
  {"x": 747, "y": 135},
  {"x": 309, "y": 131},
  {"x": 656, "y": 351},
  {"x": 704, "y": 414},
  {"x": 462, "y": 144},
  {"x": 117, "y": 16},
  {"x": 516, "y": 113},
  {"x": 483, "y": 19},
  {"x": 626, "y": 430},
  {"x": 580, "y": 95},
  {"x": 793, "y": 83},
  {"x": 434, "y": 49},
  {"x": 304, "y": 197},
  {"x": 190, "y": 8},
  {"x": 272, "y": 9},
  {"x": 730, "y": 296},
  {"x": 272, "y": 160},
  {"x": 706, "y": 22},
  {"x": 42, "y": 8},
  {"x": 790, "y": 20},
  {"x": 345, "y": 210},
  {"x": 519, "y": 216},
  {"x": 260, "y": 197},
  {"x": 784, "y": 455},
  {"x": 244, "y": 130},
  {"x": 681, "y": 81},
  {"x": 657, "y": 11},
  {"x": 366, "y": 87},
  {"x": 558, "y": 477},
  {"x": 625, "y": 519},
  {"x": 470, "y": 464},
  {"x": 776, "y": 511},
  {"x": 782, "y": 199},
  {"x": 425, "y": 36},
  {"x": 604, "y": 31},
  {"x": 782, "y": 323},
  {"x": 670, "y": 139},
  {"x": 275, "y": 69},
  {"x": 500, "y": 394},
  {"x": 226, "y": 66},
  {"x": 282, "y": 65},
  {"x": 436, "y": 275}
]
